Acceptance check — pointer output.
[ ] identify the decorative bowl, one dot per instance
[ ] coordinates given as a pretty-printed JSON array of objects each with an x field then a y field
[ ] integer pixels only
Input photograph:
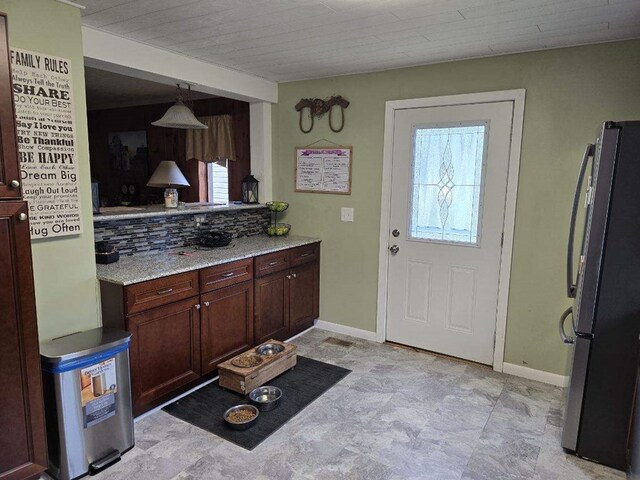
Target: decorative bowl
[
  {"x": 278, "y": 229},
  {"x": 276, "y": 206},
  {"x": 269, "y": 349},
  {"x": 241, "y": 425},
  {"x": 265, "y": 398}
]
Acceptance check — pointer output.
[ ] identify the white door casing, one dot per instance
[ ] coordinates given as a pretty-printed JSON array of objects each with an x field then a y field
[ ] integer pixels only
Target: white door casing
[{"x": 449, "y": 294}]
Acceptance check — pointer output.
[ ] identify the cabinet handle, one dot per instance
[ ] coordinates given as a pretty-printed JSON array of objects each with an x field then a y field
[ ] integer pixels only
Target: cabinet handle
[
  {"x": 197, "y": 305},
  {"x": 306, "y": 254},
  {"x": 294, "y": 275},
  {"x": 165, "y": 291},
  {"x": 289, "y": 277},
  {"x": 227, "y": 275},
  {"x": 14, "y": 183},
  {"x": 206, "y": 304},
  {"x": 271, "y": 264}
]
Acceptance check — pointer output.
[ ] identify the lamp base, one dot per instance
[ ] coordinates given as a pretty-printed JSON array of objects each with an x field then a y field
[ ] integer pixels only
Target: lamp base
[{"x": 171, "y": 198}]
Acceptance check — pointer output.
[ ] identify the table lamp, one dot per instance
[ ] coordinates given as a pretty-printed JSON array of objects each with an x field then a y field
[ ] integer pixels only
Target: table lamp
[{"x": 169, "y": 177}]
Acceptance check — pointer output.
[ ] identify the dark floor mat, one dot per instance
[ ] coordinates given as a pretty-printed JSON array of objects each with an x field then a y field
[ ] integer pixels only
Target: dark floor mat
[{"x": 301, "y": 386}]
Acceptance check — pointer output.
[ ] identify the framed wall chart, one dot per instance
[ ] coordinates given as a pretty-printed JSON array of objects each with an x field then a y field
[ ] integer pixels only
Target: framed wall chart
[{"x": 323, "y": 170}]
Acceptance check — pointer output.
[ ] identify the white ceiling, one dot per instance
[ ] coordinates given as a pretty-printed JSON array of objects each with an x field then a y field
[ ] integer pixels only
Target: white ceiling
[
  {"x": 112, "y": 90},
  {"x": 285, "y": 40}
]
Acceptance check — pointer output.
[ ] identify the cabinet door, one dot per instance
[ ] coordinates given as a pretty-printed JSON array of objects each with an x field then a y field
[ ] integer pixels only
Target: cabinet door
[
  {"x": 165, "y": 351},
  {"x": 23, "y": 451},
  {"x": 304, "y": 290},
  {"x": 272, "y": 307},
  {"x": 9, "y": 171},
  {"x": 226, "y": 323}
]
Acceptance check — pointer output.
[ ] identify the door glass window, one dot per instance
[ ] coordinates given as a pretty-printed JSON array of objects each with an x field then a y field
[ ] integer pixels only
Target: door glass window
[{"x": 446, "y": 183}]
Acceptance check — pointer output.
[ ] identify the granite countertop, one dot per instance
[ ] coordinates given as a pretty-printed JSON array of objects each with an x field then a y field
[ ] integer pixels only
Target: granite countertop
[
  {"x": 140, "y": 268},
  {"x": 124, "y": 213}
]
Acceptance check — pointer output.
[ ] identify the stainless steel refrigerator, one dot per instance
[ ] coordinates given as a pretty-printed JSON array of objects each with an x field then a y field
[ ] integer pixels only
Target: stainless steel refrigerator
[{"x": 604, "y": 321}]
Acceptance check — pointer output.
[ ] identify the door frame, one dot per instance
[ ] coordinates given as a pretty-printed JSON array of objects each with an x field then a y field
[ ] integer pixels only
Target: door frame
[{"x": 516, "y": 96}]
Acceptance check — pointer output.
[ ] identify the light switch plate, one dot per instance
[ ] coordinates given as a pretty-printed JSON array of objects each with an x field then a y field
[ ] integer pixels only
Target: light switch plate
[{"x": 346, "y": 214}]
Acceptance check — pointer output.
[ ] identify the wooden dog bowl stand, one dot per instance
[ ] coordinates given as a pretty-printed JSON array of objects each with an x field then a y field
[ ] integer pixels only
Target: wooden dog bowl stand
[{"x": 243, "y": 380}]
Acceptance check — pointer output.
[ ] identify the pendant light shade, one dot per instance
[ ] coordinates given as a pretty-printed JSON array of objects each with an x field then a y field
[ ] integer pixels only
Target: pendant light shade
[{"x": 180, "y": 116}]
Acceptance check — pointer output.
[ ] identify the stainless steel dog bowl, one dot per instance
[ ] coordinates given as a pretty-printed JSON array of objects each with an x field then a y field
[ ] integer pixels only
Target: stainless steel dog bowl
[
  {"x": 266, "y": 398},
  {"x": 241, "y": 425},
  {"x": 269, "y": 349}
]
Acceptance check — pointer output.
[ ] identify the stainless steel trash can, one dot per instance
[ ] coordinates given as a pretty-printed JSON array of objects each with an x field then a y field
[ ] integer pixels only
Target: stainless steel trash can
[{"x": 87, "y": 392}]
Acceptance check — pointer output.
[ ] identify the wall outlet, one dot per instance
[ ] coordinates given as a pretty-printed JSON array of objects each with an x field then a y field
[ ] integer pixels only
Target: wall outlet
[
  {"x": 199, "y": 219},
  {"x": 346, "y": 214}
]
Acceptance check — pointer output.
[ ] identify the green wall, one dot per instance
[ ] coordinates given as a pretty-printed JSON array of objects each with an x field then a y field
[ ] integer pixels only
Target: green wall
[
  {"x": 569, "y": 93},
  {"x": 64, "y": 268}
]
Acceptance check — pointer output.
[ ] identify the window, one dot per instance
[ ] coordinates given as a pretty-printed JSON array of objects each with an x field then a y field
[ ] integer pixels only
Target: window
[
  {"x": 218, "y": 174},
  {"x": 446, "y": 183}
]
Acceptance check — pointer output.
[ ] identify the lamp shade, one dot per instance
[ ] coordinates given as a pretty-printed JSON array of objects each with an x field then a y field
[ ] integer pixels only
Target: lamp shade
[
  {"x": 179, "y": 116},
  {"x": 167, "y": 175}
]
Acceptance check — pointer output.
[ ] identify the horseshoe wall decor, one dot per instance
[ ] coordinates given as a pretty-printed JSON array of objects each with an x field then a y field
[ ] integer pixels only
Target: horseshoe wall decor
[{"x": 318, "y": 107}]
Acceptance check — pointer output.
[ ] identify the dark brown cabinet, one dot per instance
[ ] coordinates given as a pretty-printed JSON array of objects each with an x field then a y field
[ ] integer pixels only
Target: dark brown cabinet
[
  {"x": 272, "y": 307},
  {"x": 226, "y": 324},
  {"x": 165, "y": 351},
  {"x": 22, "y": 431},
  {"x": 9, "y": 168},
  {"x": 183, "y": 326},
  {"x": 287, "y": 301},
  {"x": 304, "y": 290},
  {"x": 23, "y": 448}
]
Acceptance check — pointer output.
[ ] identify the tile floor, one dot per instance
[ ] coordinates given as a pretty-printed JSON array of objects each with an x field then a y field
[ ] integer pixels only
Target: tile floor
[{"x": 401, "y": 414}]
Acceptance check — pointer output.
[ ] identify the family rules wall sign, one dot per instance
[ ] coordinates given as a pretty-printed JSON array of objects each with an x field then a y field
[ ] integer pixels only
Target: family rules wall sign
[{"x": 46, "y": 133}]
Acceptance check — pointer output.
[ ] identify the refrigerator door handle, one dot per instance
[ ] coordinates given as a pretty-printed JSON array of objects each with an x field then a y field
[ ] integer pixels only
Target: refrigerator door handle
[
  {"x": 563, "y": 335},
  {"x": 571, "y": 286}
]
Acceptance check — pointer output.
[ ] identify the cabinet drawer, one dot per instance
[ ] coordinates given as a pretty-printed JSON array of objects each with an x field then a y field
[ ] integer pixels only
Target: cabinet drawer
[
  {"x": 272, "y": 262},
  {"x": 224, "y": 275},
  {"x": 145, "y": 295},
  {"x": 304, "y": 254}
]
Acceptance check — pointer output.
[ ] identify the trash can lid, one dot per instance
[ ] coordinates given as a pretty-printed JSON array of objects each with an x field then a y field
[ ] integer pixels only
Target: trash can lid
[{"x": 77, "y": 345}]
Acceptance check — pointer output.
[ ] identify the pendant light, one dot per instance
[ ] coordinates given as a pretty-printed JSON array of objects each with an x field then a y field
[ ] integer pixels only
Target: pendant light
[{"x": 181, "y": 115}]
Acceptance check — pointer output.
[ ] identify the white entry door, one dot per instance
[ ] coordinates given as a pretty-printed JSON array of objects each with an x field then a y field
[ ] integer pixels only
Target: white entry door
[{"x": 448, "y": 194}]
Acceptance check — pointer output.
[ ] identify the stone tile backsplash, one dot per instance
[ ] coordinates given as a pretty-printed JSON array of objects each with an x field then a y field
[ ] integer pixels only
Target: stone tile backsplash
[{"x": 141, "y": 235}]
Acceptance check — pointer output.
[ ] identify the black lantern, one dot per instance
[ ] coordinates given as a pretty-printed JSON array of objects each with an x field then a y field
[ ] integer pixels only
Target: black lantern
[{"x": 249, "y": 189}]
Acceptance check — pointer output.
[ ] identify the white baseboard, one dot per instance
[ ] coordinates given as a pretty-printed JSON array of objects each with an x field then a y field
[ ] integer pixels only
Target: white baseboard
[
  {"x": 538, "y": 375},
  {"x": 343, "y": 329}
]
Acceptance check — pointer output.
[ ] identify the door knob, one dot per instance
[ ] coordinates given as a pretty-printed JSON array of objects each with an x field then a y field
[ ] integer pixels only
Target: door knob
[
  {"x": 394, "y": 249},
  {"x": 22, "y": 217},
  {"x": 14, "y": 183},
  {"x": 395, "y": 233},
  {"x": 197, "y": 305}
]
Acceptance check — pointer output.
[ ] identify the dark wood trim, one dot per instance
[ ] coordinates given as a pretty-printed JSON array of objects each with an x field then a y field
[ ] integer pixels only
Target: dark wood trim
[{"x": 9, "y": 165}]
